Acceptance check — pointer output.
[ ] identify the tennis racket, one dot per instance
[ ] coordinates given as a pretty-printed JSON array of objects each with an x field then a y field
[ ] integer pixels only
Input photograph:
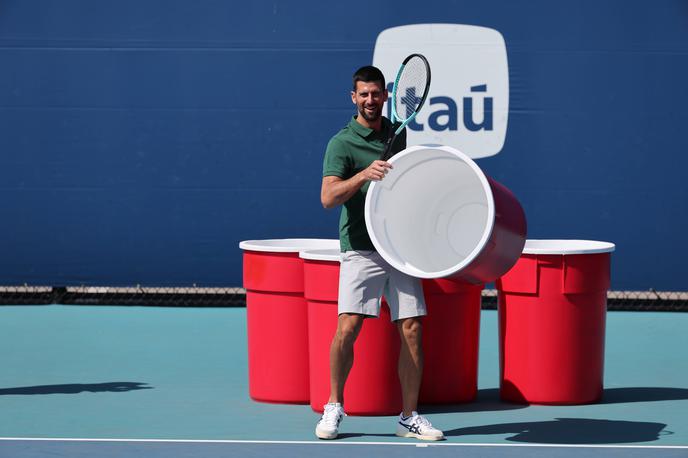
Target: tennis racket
[{"x": 409, "y": 92}]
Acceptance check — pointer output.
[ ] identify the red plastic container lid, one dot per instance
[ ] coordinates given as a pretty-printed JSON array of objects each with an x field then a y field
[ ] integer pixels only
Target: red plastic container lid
[
  {"x": 321, "y": 255},
  {"x": 567, "y": 247},
  {"x": 288, "y": 245}
]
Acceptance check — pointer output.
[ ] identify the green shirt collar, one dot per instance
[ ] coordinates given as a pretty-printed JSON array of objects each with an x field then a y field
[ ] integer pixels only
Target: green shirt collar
[{"x": 362, "y": 130}]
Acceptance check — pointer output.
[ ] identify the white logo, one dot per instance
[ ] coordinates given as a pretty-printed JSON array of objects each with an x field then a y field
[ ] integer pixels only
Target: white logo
[{"x": 468, "y": 104}]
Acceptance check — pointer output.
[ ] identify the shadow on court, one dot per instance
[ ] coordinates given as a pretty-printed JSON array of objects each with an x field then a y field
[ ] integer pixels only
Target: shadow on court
[
  {"x": 571, "y": 431},
  {"x": 486, "y": 401},
  {"x": 643, "y": 394},
  {"x": 354, "y": 435},
  {"x": 76, "y": 388}
]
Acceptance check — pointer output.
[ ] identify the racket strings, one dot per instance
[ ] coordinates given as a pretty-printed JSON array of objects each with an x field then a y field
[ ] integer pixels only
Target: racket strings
[{"x": 411, "y": 88}]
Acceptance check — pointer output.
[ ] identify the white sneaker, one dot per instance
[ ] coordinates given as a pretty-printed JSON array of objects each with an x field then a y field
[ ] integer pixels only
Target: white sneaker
[
  {"x": 419, "y": 427},
  {"x": 328, "y": 426}
]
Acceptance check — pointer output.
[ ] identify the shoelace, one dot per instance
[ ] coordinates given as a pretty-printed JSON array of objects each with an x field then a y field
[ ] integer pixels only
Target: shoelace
[
  {"x": 420, "y": 420},
  {"x": 331, "y": 416}
]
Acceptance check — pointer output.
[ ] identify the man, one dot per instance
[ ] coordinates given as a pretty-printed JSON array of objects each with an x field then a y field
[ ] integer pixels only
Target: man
[{"x": 351, "y": 163}]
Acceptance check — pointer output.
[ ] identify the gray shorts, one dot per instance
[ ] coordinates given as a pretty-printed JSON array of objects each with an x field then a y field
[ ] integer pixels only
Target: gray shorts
[{"x": 364, "y": 277}]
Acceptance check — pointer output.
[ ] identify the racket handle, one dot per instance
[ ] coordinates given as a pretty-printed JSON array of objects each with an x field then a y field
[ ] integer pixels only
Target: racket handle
[
  {"x": 396, "y": 128},
  {"x": 386, "y": 154}
]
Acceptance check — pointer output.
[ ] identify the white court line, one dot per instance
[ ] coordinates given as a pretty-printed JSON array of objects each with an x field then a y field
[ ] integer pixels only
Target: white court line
[{"x": 412, "y": 444}]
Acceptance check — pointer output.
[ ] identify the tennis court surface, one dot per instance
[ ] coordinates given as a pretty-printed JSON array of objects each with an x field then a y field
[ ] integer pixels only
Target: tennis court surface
[{"x": 81, "y": 381}]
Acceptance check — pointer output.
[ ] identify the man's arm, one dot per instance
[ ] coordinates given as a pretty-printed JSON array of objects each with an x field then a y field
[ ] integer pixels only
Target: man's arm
[{"x": 335, "y": 190}]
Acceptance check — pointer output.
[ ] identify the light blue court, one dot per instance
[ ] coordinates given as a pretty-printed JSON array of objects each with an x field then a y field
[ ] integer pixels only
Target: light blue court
[{"x": 173, "y": 382}]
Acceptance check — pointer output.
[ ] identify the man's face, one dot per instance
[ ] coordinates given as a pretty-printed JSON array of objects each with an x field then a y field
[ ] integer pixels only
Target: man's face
[{"x": 369, "y": 98}]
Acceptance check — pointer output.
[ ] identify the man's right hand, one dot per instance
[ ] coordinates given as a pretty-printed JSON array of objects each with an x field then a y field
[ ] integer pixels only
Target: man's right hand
[
  {"x": 376, "y": 171},
  {"x": 335, "y": 191}
]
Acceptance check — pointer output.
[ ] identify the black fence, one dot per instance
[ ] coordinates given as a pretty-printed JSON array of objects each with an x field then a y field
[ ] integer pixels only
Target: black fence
[
  {"x": 653, "y": 301},
  {"x": 98, "y": 295},
  {"x": 639, "y": 301}
]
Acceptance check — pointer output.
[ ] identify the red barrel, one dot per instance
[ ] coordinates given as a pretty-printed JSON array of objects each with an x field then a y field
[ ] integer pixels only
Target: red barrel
[
  {"x": 552, "y": 310},
  {"x": 277, "y": 318},
  {"x": 437, "y": 215},
  {"x": 373, "y": 385},
  {"x": 451, "y": 335}
]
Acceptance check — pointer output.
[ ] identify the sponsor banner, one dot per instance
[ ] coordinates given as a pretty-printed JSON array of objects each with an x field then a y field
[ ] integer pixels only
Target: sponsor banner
[{"x": 468, "y": 104}]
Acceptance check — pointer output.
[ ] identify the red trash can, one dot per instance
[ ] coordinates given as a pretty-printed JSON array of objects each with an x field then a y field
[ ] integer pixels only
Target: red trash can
[
  {"x": 552, "y": 311},
  {"x": 277, "y": 318},
  {"x": 451, "y": 336},
  {"x": 437, "y": 215},
  {"x": 373, "y": 385}
]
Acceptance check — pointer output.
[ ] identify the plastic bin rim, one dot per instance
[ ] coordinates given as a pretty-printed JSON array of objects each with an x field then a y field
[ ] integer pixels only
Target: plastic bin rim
[
  {"x": 561, "y": 246},
  {"x": 321, "y": 255},
  {"x": 480, "y": 246},
  {"x": 287, "y": 245}
]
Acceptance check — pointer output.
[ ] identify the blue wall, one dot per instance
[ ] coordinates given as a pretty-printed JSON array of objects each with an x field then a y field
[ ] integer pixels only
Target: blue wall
[{"x": 140, "y": 141}]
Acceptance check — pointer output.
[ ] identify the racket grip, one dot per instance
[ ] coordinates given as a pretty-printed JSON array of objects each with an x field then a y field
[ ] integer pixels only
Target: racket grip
[{"x": 386, "y": 153}]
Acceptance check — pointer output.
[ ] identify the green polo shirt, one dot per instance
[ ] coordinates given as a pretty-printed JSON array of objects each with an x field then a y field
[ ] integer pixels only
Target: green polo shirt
[{"x": 351, "y": 150}]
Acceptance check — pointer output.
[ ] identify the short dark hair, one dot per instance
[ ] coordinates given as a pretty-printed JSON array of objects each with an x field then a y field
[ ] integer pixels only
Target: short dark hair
[{"x": 368, "y": 74}]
